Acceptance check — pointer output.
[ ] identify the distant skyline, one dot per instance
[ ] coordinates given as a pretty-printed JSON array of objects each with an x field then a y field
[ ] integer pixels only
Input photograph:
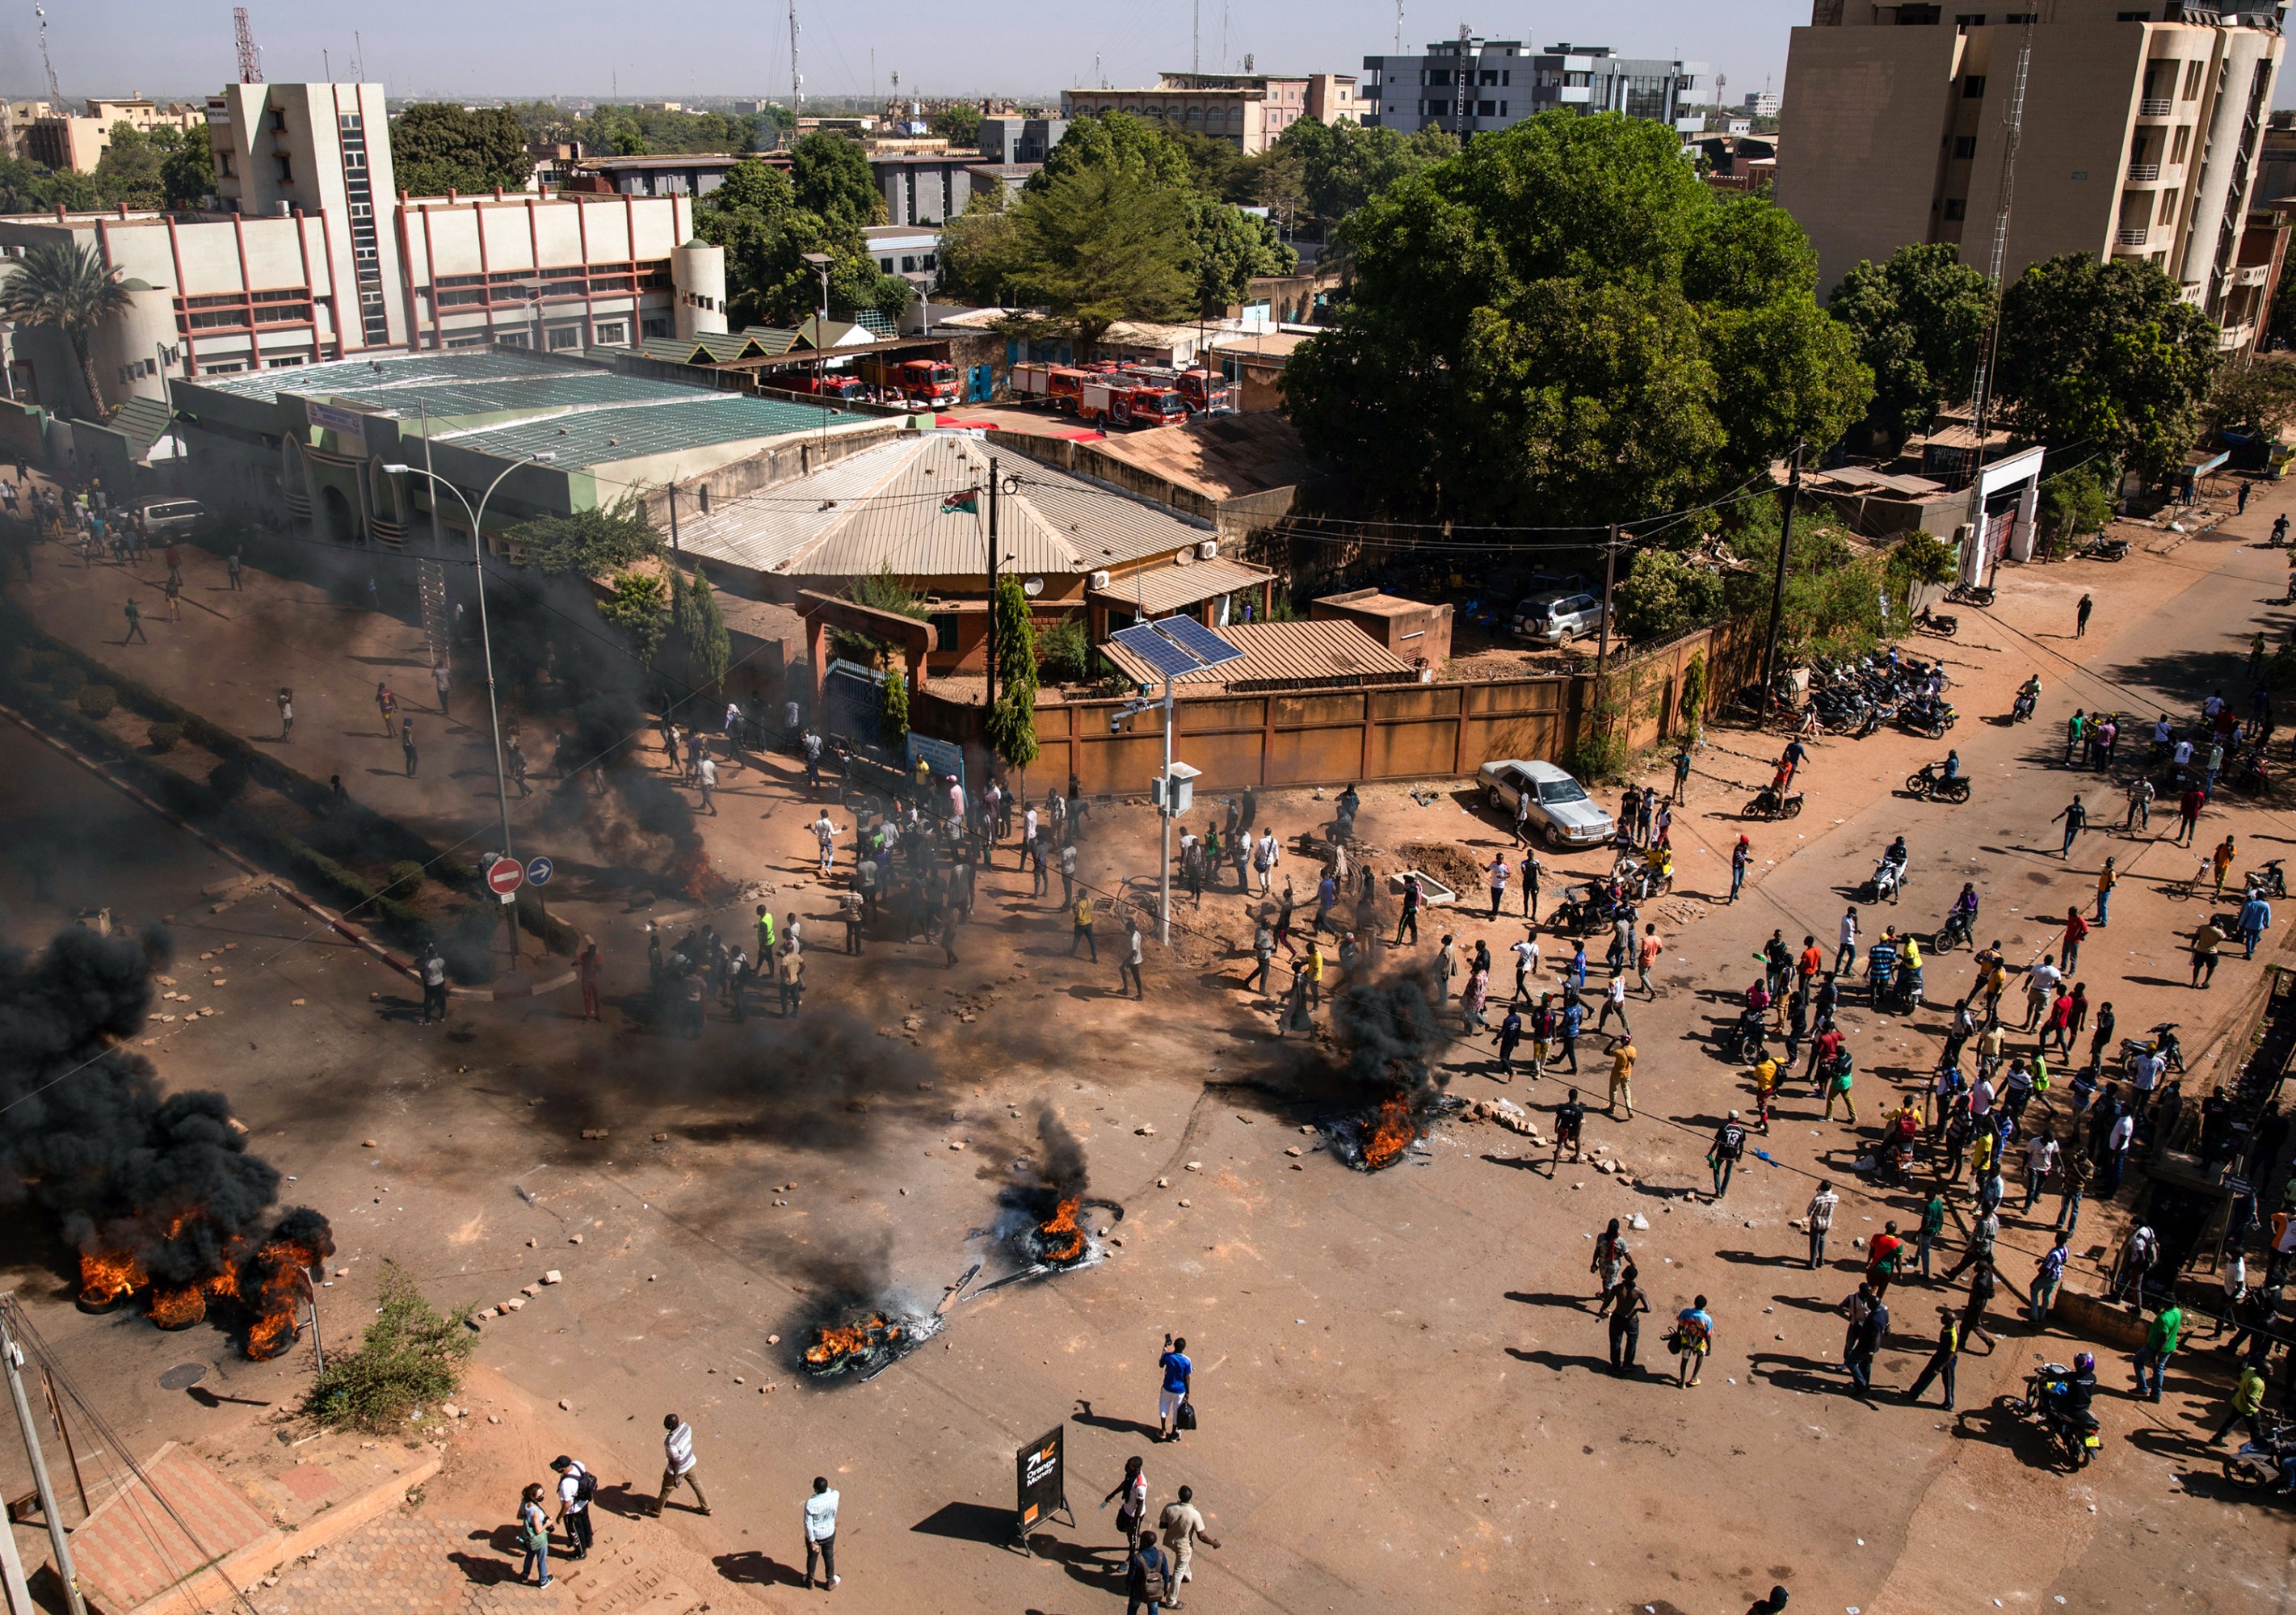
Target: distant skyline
[{"x": 683, "y": 49}]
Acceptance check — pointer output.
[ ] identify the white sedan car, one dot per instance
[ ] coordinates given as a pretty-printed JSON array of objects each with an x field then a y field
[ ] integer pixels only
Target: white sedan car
[{"x": 1560, "y": 807}]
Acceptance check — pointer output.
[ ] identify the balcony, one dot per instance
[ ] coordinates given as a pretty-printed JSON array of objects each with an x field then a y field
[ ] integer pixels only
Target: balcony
[
  {"x": 2145, "y": 174},
  {"x": 2156, "y": 107},
  {"x": 2237, "y": 336},
  {"x": 2127, "y": 238},
  {"x": 2251, "y": 275}
]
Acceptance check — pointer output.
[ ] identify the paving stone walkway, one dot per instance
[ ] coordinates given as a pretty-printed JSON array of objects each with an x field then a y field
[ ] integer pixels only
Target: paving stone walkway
[{"x": 409, "y": 1565}]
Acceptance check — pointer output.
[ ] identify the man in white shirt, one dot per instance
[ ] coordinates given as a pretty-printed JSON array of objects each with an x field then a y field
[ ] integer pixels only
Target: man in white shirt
[
  {"x": 705, "y": 774},
  {"x": 824, "y": 831},
  {"x": 678, "y": 1463},
  {"x": 1848, "y": 955},
  {"x": 2040, "y": 1161},
  {"x": 1264, "y": 859},
  {"x": 575, "y": 1490},
  {"x": 1526, "y": 963},
  {"x": 821, "y": 1533}
]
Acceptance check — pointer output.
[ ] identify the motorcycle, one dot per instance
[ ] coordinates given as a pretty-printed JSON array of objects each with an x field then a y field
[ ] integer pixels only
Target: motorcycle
[
  {"x": 1927, "y": 621},
  {"x": 2163, "y": 1042},
  {"x": 2102, "y": 548},
  {"x": 1934, "y": 786},
  {"x": 1962, "y": 593},
  {"x": 1768, "y": 804},
  {"x": 1924, "y": 716},
  {"x": 1883, "y": 883},
  {"x": 1954, "y": 933},
  {"x": 1584, "y": 910},
  {"x": 2022, "y": 706},
  {"x": 1747, "y": 1036},
  {"x": 2256, "y": 1467},
  {"x": 2268, "y": 881},
  {"x": 2075, "y": 1434}
]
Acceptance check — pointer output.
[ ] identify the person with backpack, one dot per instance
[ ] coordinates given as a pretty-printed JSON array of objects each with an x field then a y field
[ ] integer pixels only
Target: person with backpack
[
  {"x": 1173, "y": 1396},
  {"x": 1147, "y": 1578},
  {"x": 1729, "y": 1148},
  {"x": 534, "y": 1534},
  {"x": 576, "y": 1487}
]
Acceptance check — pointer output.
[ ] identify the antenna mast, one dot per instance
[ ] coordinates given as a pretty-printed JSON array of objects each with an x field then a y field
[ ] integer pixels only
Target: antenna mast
[
  {"x": 55, "y": 93},
  {"x": 796, "y": 79},
  {"x": 1980, "y": 388},
  {"x": 251, "y": 59}
]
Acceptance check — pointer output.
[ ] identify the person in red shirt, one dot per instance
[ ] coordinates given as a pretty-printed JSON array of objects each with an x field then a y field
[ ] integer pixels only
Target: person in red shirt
[
  {"x": 1822, "y": 1054},
  {"x": 1882, "y": 1258},
  {"x": 2076, "y": 929},
  {"x": 2189, "y": 814}
]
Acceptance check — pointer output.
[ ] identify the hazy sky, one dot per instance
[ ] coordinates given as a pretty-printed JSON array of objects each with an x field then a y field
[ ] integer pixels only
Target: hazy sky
[{"x": 670, "y": 49}]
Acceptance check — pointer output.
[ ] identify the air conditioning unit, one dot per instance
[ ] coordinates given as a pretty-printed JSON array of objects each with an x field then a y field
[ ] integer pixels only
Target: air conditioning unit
[
  {"x": 1209, "y": 550},
  {"x": 1098, "y": 581}
]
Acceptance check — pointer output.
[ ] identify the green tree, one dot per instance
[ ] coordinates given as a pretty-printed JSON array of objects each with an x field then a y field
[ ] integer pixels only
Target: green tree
[
  {"x": 1833, "y": 587},
  {"x": 639, "y": 608},
  {"x": 893, "y": 718},
  {"x": 2077, "y": 500},
  {"x": 588, "y": 543},
  {"x": 2261, "y": 394},
  {"x": 694, "y": 608},
  {"x": 1918, "y": 558},
  {"x": 1663, "y": 595},
  {"x": 1118, "y": 143},
  {"x": 187, "y": 171},
  {"x": 67, "y": 286},
  {"x": 438, "y": 146},
  {"x": 2108, "y": 355},
  {"x": 28, "y": 187},
  {"x": 883, "y": 591},
  {"x": 1226, "y": 248},
  {"x": 756, "y": 217},
  {"x": 1918, "y": 318},
  {"x": 410, "y": 1356},
  {"x": 130, "y": 172},
  {"x": 1103, "y": 244},
  {"x": 959, "y": 124},
  {"x": 833, "y": 180},
  {"x": 979, "y": 256},
  {"x": 1562, "y": 324},
  {"x": 1343, "y": 166},
  {"x": 1012, "y": 723}
]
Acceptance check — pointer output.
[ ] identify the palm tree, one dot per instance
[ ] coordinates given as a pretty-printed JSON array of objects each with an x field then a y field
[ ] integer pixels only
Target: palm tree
[{"x": 67, "y": 286}]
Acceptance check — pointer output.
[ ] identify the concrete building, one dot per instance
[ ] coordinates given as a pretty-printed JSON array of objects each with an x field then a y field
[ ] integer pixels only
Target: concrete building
[
  {"x": 919, "y": 187},
  {"x": 2141, "y": 138},
  {"x": 1014, "y": 140},
  {"x": 907, "y": 250},
  {"x": 1471, "y": 85},
  {"x": 78, "y": 141},
  {"x": 315, "y": 257},
  {"x": 1251, "y": 110},
  {"x": 1760, "y": 103}
]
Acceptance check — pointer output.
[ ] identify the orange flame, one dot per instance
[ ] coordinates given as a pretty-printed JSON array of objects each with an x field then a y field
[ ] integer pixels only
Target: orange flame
[
  {"x": 270, "y": 1335},
  {"x": 833, "y": 1341},
  {"x": 1059, "y": 1239},
  {"x": 107, "y": 1276},
  {"x": 695, "y": 879},
  {"x": 269, "y": 1286},
  {"x": 179, "y": 1307},
  {"x": 1392, "y": 1132}
]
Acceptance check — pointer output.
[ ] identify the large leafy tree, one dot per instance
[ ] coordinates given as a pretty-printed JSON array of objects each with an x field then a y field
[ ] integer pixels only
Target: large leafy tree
[
  {"x": 1117, "y": 143},
  {"x": 67, "y": 286},
  {"x": 187, "y": 171},
  {"x": 757, "y": 217},
  {"x": 1562, "y": 325},
  {"x": 1102, "y": 244},
  {"x": 958, "y": 122},
  {"x": 980, "y": 253},
  {"x": 1918, "y": 317},
  {"x": 29, "y": 187},
  {"x": 130, "y": 173},
  {"x": 1343, "y": 166},
  {"x": 2108, "y": 355},
  {"x": 833, "y": 179},
  {"x": 1226, "y": 248},
  {"x": 438, "y": 146}
]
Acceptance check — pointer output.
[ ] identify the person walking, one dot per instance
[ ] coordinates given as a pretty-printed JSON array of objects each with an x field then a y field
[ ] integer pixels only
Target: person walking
[
  {"x": 2246, "y": 1405},
  {"x": 788, "y": 977},
  {"x": 1263, "y": 950},
  {"x": 1413, "y": 895},
  {"x": 1694, "y": 1338},
  {"x": 407, "y": 745},
  {"x": 2207, "y": 942},
  {"x": 433, "y": 968},
  {"x": 1179, "y": 1528},
  {"x": 1627, "y": 1303},
  {"x": 286, "y": 699},
  {"x": 1614, "y": 1003},
  {"x": 1868, "y": 1329},
  {"x": 1982, "y": 1285},
  {"x": 1942, "y": 1360},
  {"x": 2048, "y": 1274},
  {"x": 2077, "y": 1170},
  {"x": 2160, "y": 1342},
  {"x": 589, "y": 970},
  {"x": 2076, "y": 933},
  {"x": 1530, "y": 869},
  {"x": 2080, "y": 617},
  {"x": 440, "y": 682},
  {"x": 1172, "y": 1391},
  {"x": 2075, "y": 819},
  {"x": 1622, "y": 1065},
  {"x": 576, "y": 1487},
  {"x": 1722, "y": 1157},
  {"x": 705, "y": 776},
  {"x": 1818, "y": 1219},
  {"x": 1497, "y": 881},
  {"x": 1147, "y": 1577},
  {"x": 2255, "y": 920},
  {"x": 1128, "y": 969},
  {"x": 1739, "y": 854},
  {"x": 678, "y": 1464},
  {"x": 230, "y": 565},
  {"x": 821, "y": 1534},
  {"x": 824, "y": 836},
  {"x": 1132, "y": 1507},
  {"x": 135, "y": 624}
]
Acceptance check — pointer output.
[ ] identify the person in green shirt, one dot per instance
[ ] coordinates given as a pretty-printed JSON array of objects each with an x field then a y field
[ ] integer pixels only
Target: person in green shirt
[
  {"x": 1933, "y": 1224},
  {"x": 2247, "y": 1401},
  {"x": 2160, "y": 1344}
]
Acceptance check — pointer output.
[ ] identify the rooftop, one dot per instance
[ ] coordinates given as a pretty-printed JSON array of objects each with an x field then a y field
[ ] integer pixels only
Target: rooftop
[
  {"x": 887, "y": 506},
  {"x": 1281, "y": 654}
]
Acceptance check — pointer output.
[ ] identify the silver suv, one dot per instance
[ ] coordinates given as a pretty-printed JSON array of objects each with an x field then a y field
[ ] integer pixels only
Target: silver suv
[{"x": 1558, "y": 617}]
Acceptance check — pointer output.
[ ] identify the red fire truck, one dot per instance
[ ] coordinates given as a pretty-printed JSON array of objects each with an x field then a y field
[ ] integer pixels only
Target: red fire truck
[
  {"x": 1127, "y": 402},
  {"x": 1204, "y": 392},
  {"x": 833, "y": 384},
  {"x": 921, "y": 383}
]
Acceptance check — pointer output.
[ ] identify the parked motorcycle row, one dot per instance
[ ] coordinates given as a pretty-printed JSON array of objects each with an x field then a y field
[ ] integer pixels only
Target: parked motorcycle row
[{"x": 1857, "y": 696}]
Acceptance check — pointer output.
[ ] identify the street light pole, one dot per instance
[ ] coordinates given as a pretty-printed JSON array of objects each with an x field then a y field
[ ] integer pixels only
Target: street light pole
[
  {"x": 11, "y": 1358},
  {"x": 486, "y": 639},
  {"x": 1778, "y": 584},
  {"x": 1164, "y": 864}
]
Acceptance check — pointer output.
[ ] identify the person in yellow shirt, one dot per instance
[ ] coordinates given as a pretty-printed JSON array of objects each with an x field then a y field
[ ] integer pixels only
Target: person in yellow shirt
[
  {"x": 1982, "y": 1154},
  {"x": 1082, "y": 934},
  {"x": 1622, "y": 1072},
  {"x": 1766, "y": 1087},
  {"x": 1312, "y": 974}
]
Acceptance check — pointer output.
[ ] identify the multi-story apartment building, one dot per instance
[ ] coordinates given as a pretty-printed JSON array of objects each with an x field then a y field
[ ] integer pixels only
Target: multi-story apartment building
[
  {"x": 1471, "y": 85},
  {"x": 2141, "y": 136},
  {"x": 312, "y": 255},
  {"x": 79, "y": 141},
  {"x": 1252, "y": 109}
]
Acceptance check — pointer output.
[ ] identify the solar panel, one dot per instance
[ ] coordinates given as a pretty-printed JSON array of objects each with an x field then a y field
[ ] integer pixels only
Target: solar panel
[
  {"x": 1199, "y": 641},
  {"x": 1159, "y": 652}
]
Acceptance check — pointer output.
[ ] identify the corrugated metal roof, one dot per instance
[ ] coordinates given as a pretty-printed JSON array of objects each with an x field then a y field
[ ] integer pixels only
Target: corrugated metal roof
[
  {"x": 1282, "y": 652},
  {"x": 405, "y": 373},
  {"x": 141, "y": 421},
  {"x": 691, "y": 417},
  {"x": 887, "y": 513},
  {"x": 1159, "y": 590}
]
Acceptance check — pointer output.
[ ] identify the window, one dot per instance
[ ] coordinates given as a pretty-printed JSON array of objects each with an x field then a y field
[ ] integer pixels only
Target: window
[
  {"x": 886, "y": 264},
  {"x": 286, "y": 175},
  {"x": 2134, "y": 17},
  {"x": 944, "y": 625},
  {"x": 562, "y": 337},
  {"x": 479, "y": 339},
  {"x": 2167, "y": 207},
  {"x": 222, "y": 166},
  {"x": 1506, "y": 76},
  {"x": 279, "y": 120},
  {"x": 1487, "y": 109},
  {"x": 1964, "y": 146},
  {"x": 1974, "y": 85},
  {"x": 1503, "y": 108},
  {"x": 655, "y": 325},
  {"x": 1970, "y": 19},
  {"x": 2184, "y": 140},
  {"x": 285, "y": 362},
  {"x": 1918, "y": 16},
  {"x": 512, "y": 338},
  {"x": 2193, "y": 79},
  {"x": 1956, "y": 207},
  {"x": 613, "y": 334}
]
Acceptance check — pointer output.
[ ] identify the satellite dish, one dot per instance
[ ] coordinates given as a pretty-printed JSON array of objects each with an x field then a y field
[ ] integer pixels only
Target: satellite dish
[{"x": 1032, "y": 587}]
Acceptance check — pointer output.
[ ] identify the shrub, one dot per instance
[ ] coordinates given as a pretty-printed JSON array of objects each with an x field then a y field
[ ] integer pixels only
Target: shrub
[
  {"x": 410, "y": 1356},
  {"x": 1066, "y": 650},
  {"x": 164, "y": 736},
  {"x": 97, "y": 701},
  {"x": 406, "y": 880},
  {"x": 66, "y": 680}
]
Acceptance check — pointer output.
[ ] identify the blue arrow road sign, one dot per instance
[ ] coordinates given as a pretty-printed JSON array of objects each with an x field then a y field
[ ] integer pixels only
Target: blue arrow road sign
[{"x": 537, "y": 874}]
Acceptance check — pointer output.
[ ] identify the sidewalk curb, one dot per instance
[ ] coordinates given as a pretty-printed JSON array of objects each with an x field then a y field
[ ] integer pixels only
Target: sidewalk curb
[{"x": 348, "y": 930}]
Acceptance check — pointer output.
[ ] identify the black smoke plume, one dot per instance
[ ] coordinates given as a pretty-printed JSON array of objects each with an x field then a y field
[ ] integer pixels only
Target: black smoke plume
[{"x": 1040, "y": 1208}]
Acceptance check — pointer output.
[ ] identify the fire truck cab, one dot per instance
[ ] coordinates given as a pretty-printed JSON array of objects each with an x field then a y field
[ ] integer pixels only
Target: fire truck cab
[
  {"x": 1204, "y": 391},
  {"x": 1126, "y": 402},
  {"x": 841, "y": 387}
]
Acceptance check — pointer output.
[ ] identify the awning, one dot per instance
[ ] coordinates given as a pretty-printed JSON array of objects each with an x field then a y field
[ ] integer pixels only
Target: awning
[{"x": 1161, "y": 590}]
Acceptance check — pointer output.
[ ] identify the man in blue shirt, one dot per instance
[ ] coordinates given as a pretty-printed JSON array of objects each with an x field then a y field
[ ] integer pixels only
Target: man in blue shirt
[
  {"x": 2255, "y": 920},
  {"x": 1176, "y": 1368}
]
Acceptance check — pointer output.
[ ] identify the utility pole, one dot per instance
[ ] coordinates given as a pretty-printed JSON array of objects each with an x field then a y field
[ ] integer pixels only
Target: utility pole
[
  {"x": 1196, "y": 51},
  {"x": 674, "y": 547},
  {"x": 1609, "y": 578},
  {"x": 1778, "y": 583},
  {"x": 11, "y": 1357},
  {"x": 12, "y": 1577},
  {"x": 1973, "y": 559},
  {"x": 992, "y": 582}
]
